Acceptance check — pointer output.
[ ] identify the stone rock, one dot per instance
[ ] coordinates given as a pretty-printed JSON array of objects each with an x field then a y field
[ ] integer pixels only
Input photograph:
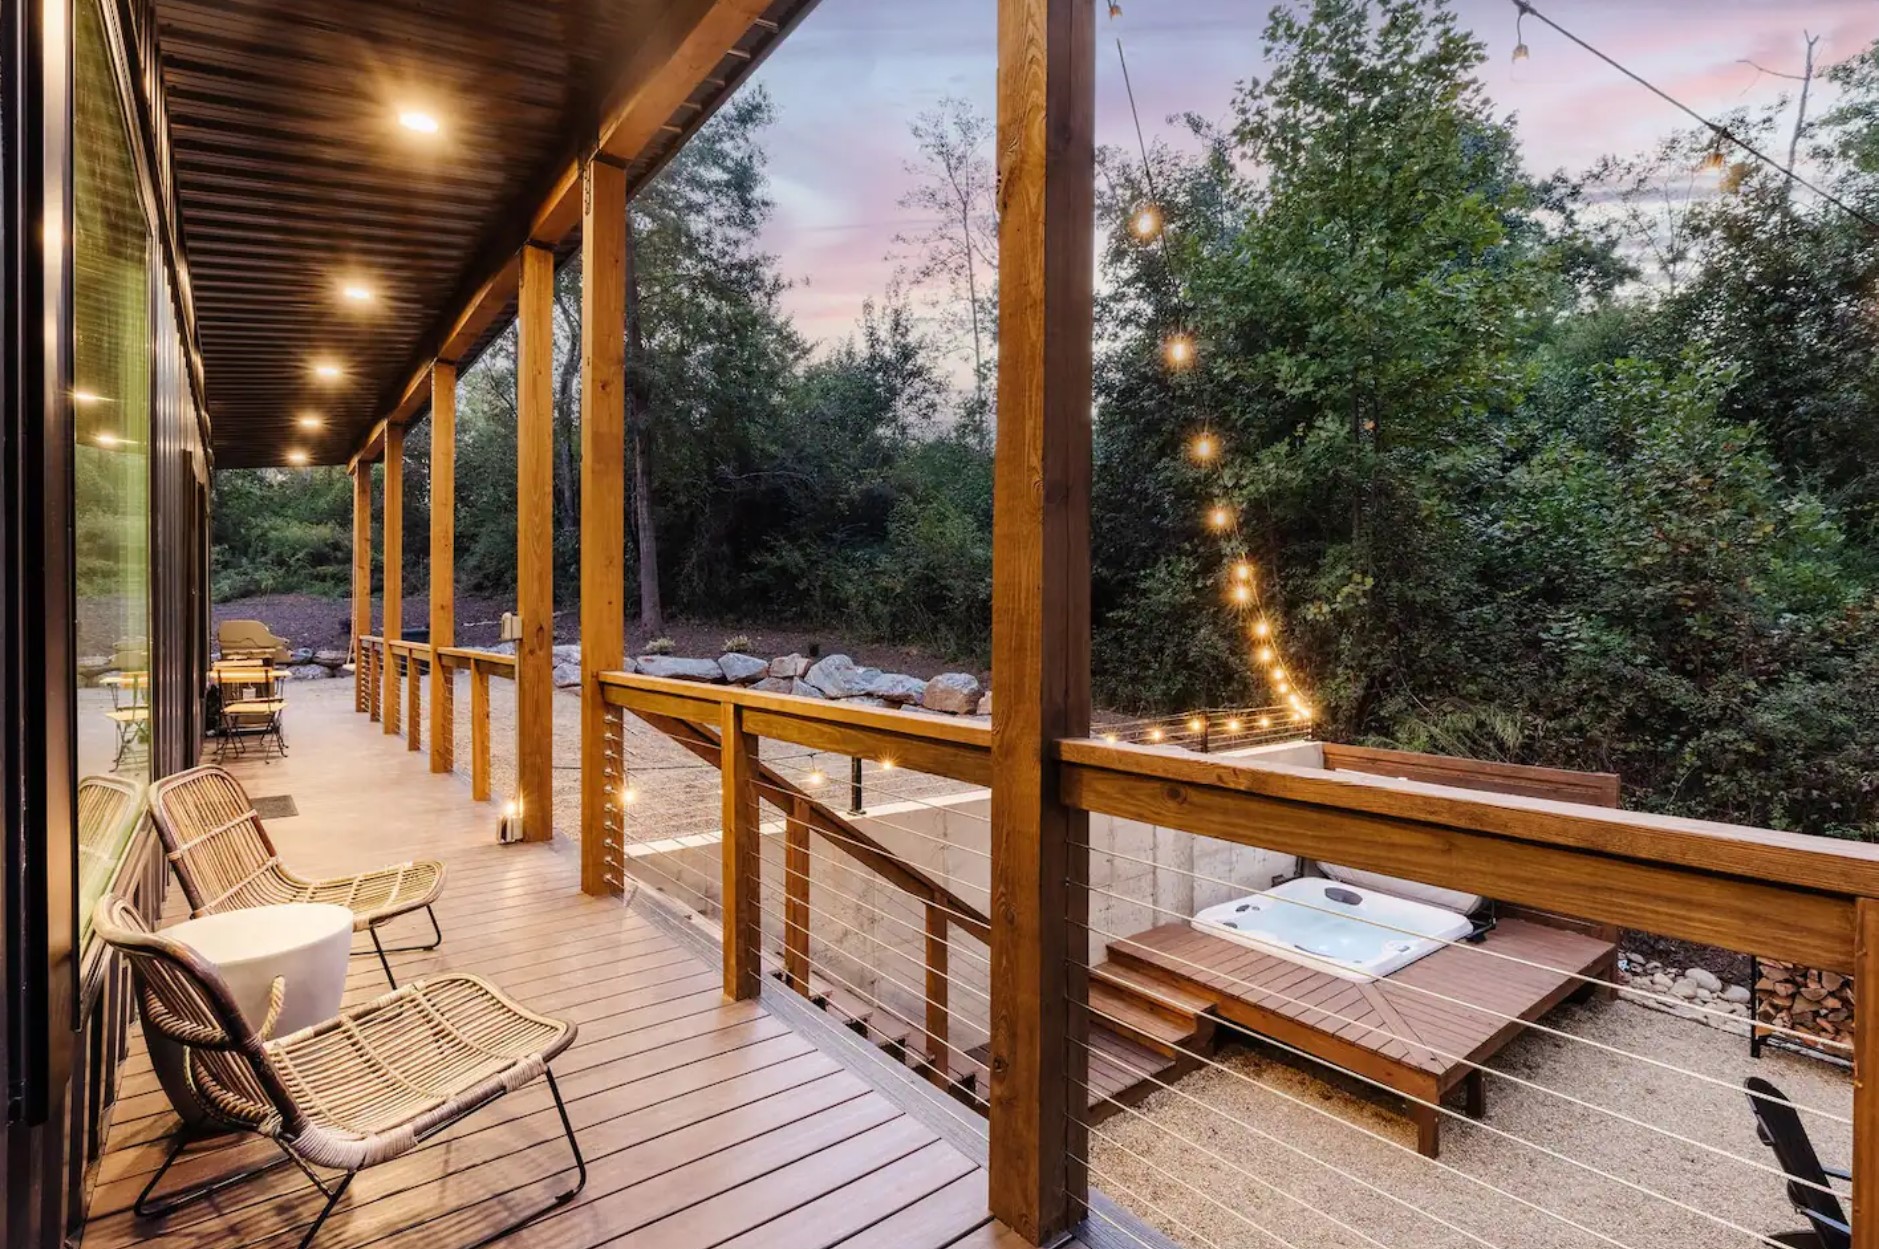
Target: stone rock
[
  {"x": 1704, "y": 995},
  {"x": 867, "y": 700},
  {"x": 567, "y": 675},
  {"x": 742, "y": 669},
  {"x": 500, "y": 648},
  {"x": 956, "y": 693},
  {"x": 788, "y": 667},
  {"x": 1684, "y": 988},
  {"x": 308, "y": 672},
  {"x": 803, "y": 689},
  {"x": 567, "y": 653},
  {"x": 985, "y": 705},
  {"x": 837, "y": 676},
  {"x": 330, "y": 659},
  {"x": 772, "y": 685},
  {"x": 897, "y": 688},
  {"x": 677, "y": 669},
  {"x": 1661, "y": 980},
  {"x": 300, "y": 656},
  {"x": 1704, "y": 979},
  {"x": 1735, "y": 993}
]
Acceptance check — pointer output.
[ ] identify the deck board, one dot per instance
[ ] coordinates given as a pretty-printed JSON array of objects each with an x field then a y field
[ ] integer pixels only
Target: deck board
[{"x": 704, "y": 1122}]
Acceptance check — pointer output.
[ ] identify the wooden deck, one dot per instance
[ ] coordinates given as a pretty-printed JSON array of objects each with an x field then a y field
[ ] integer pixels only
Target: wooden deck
[
  {"x": 1422, "y": 1031},
  {"x": 704, "y": 1122}
]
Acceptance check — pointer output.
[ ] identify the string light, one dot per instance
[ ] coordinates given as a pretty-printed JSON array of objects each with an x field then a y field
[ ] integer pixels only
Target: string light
[
  {"x": 1146, "y": 223},
  {"x": 1111, "y": 738},
  {"x": 1233, "y": 726},
  {"x": 1263, "y": 654},
  {"x": 1520, "y": 40},
  {"x": 1262, "y": 629},
  {"x": 1220, "y": 517},
  {"x": 1242, "y": 571},
  {"x": 628, "y": 795},
  {"x": 1242, "y": 594},
  {"x": 816, "y": 778},
  {"x": 1204, "y": 447},
  {"x": 1154, "y": 735},
  {"x": 1178, "y": 350},
  {"x": 1196, "y": 724}
]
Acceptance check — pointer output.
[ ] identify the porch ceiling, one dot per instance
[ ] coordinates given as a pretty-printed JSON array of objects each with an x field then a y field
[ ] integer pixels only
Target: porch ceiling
[{"x": 295, "y": 178}]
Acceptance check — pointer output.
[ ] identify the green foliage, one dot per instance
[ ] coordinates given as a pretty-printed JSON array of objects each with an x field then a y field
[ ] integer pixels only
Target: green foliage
[{"x": 660, "y": 646}]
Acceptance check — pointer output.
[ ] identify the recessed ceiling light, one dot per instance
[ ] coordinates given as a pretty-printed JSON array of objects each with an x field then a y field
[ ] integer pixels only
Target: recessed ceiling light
[
  {"x": 296, "y": 457},
  {"x": 417, "y": 120},
  {"x": 105, "y": 439},
  {"x": 326, "y": 371},
  {"x": 356, "y": 292},
  {"x": 86, "y": 396},
  {"x": 311, "y": 420}
]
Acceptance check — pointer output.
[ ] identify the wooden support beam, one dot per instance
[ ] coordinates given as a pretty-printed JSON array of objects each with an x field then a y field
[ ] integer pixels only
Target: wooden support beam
[
  {"x": 938, "y": 980},
  {"x": 1865, "y": 1166},
  {"x": 1040, "y": 610},
  {"x": 737, "y": 779},
  {"x": 796, "y": 897},
  {"x": 534, "y": 544},
  {"x": 394, "y": 525},
  {"x": 362, "y": 673},
  {"x": 603, "y": 492},
  {"x": 443, "y": 560}
]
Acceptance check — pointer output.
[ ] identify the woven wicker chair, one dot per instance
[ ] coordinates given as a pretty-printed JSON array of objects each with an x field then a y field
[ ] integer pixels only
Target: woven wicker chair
[
  {"x": 226, "y": 862},
  {"x": 346, "y": 1094}
]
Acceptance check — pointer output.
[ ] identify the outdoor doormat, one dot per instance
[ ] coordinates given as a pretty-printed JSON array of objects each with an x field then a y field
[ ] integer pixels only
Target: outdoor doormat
[{"x": 275, "y": 807}]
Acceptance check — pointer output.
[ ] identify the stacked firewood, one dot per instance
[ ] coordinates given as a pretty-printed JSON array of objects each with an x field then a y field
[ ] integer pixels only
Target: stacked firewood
[{"x": 1804, "y": 999}]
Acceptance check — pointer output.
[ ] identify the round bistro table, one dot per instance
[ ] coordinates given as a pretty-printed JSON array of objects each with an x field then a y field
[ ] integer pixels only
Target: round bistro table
[{"x": 307, "y": 943}]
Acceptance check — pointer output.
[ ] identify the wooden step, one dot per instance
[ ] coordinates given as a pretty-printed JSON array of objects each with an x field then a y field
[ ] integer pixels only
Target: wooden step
[
  {"x": 1122, "y": 1071},
  {"x": 1162, "y": 1017},
  {"x": 1166, "y": 997}
]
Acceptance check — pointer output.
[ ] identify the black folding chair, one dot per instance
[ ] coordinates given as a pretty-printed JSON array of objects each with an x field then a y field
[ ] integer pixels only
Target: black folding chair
[{"x": 1780, "y": 1128}]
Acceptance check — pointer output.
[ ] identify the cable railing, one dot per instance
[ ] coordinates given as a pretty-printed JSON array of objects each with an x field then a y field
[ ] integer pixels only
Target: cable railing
[
  {"x": 1232, "y": 1091},
  {"x": 395, "y": 681}
]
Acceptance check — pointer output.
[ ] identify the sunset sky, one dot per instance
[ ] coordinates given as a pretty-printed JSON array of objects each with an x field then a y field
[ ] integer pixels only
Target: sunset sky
[{"x": 852, "y": 77}]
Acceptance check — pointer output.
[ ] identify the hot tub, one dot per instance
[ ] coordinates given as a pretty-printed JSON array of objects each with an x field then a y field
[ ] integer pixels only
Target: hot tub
[{"x": 1359, "y": 934}]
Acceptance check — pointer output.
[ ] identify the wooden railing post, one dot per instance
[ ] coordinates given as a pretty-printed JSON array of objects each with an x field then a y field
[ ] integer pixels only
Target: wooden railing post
[
  {"x": 375, "y": 680},
  {"x": 737, "y": 776},
  {"x": 1040, "y": 611},
  {"x": 394, "y": 528},
  {"x": 603, "y": 493},
  {"x": 443, "y": 559},
  {"x": 796, "y": 897},
  {"x": 479, "y": 732},
  {"x": 414, "y": 708},
  {"x": 362, "y": 674},
  {"x": 1865, "y": 1166},
  {"x": 938, "y": 1015},
  {"x": 391, "y": 714}
]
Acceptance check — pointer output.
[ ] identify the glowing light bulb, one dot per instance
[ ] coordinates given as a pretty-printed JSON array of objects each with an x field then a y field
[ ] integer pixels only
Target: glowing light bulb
[
  {"x": 1243, "y": 571},
  {"x": 296, "y": 456},
  {"x": 105, "y": 439},
  {"x": 1110, "y": 738},
  {"x": 1178, "y": 350},
  {"x": 326, "y": 371},
  {"x": 1265, "y": 722},
  {"x": 1263, "y": 655},
  {"x": 1154, "y": 735},
  {"x": 1204, "y": 447},
  {"x": 1146, "y": 223},
  {"x": 1196, "y": 724},
  {"x": 1233, "y": 726},
  {"x": 887, "y": 765},
  {"x": 512, "y": 810},
  {"x": 1520, "y": 53},
  {"x": 816, "y": 778},
  {"x": 628, "y": 796},
  {"x": 356, "y": 292},
  {"x": 1262, "y": 630},
  {"x": 1220, "y": 517},
  {"x": 1242, "y": 594},
  {"x": 417, "y": 120},
  {"x": 1712, "y": 160}
]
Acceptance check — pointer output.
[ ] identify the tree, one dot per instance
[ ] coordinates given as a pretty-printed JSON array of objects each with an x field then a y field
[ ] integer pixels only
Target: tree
[{"x": 953, "y": 179}]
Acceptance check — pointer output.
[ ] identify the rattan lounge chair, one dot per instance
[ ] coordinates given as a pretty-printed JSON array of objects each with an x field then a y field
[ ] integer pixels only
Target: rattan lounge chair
[
  {"x": 226, "y": 861},
  {"x": 344, "y": 1095}
]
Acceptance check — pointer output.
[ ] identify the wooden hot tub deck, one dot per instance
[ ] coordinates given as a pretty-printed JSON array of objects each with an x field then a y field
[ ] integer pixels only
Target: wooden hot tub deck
[{"x": 1420, "y": 1031}]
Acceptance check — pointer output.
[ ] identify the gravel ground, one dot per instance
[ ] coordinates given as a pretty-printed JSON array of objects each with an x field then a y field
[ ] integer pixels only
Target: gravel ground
[{"x": 1202, "y": 1201}]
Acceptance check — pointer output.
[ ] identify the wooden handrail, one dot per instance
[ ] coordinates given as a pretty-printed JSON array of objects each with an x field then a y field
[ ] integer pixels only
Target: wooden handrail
[
  {"x": 1786, "y": 895},
  {"x": 495, "y": 663}
]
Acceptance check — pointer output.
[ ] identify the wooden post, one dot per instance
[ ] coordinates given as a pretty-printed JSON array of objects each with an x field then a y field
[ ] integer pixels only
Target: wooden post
[
  {"x": 796, "y": 897},
  {"x": 603, "y": 491},
  {"x": 394, "y": 565},
  {"x": 479, "y": 732},
  {"x": 361, "y": 583},
  {"x": 938, "y": 1014},
  {"x": 1865, "y": 1166},
  {"x": 414, "y": 707},
  {"x": 737, "y": 777},
  {"x": 1040, "y": 610},
  {"x": 443, "y": 561},
  {"x": 534, "y": 543},
  {"x": 374, "y": 680}
]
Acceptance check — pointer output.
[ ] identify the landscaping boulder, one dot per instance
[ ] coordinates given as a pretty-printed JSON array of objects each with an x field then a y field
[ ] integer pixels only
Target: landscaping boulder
[
  {"x": 985, "y": 705},
  {"x": 805, "y": 690},
  {"x": 681, "y": 669},
  {"x": 330, "y": 659},
  {"x": 896, "y": 688},
  {"x": 837, "y": 676},
  {"x": 740, "y": 669},
  {"x": 956, "y": 693},
  {"x": 567, "y": 653},
  {"x": 300, "y": 656},
  {"x": 772, "y": 685},
  {"x": 308, "y": 672},
  {"x": 567, "y": 675},
  {"x": 788, "y": 667},
  {"x": 1705, "y": 979}
]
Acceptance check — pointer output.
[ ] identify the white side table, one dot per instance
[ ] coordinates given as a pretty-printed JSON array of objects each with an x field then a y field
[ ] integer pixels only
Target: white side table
[{"x": 307, "y": 943}]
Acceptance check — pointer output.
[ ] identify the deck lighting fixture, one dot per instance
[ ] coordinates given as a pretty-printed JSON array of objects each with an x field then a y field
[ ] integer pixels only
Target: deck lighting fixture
[
  {"x": 326, "y": 370},
  {"x": 355, "y": 293},
  {"x": 1146, "y": 223},
  {"x": 310, "y": 420},
  {"x": 417, "y": 121},
  {"x": 1204, "y": 447},
  {"x": 1178, "y": 350},
  {"x": 296, "y": 456}
]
